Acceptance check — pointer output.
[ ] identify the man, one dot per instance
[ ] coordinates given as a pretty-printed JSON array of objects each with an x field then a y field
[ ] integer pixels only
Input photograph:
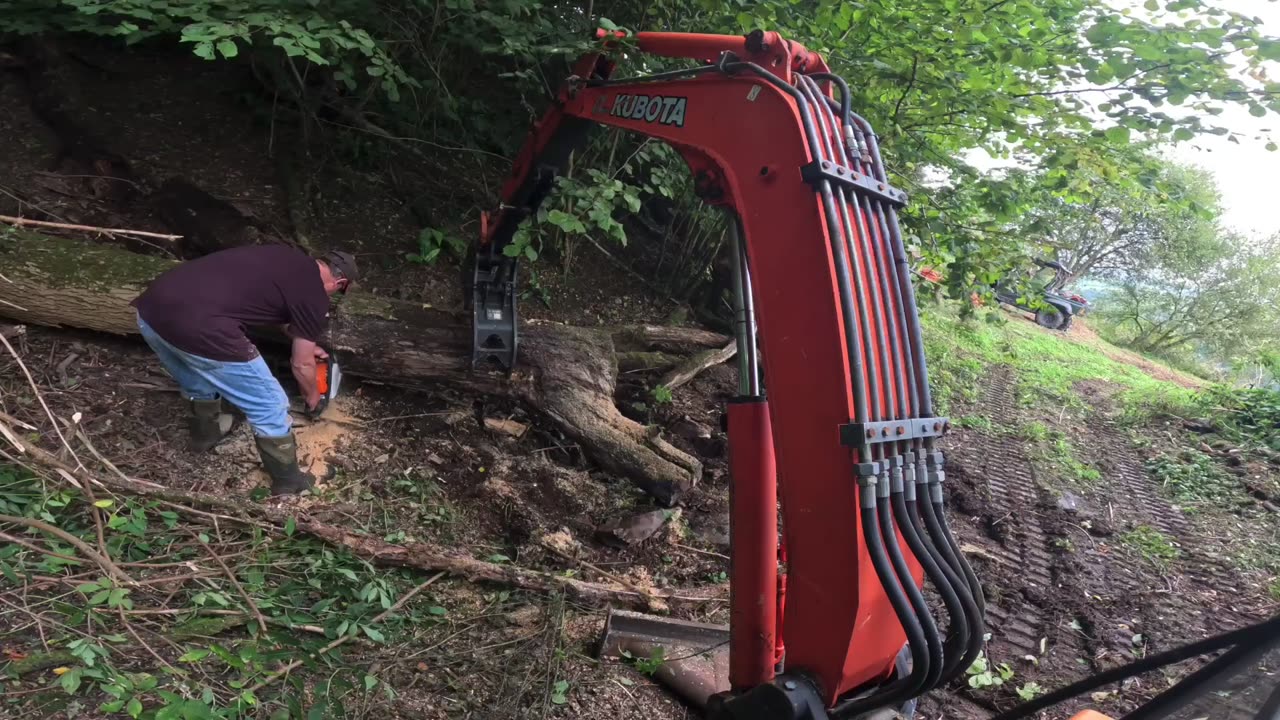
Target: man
[{"x": 195, "y": 317}]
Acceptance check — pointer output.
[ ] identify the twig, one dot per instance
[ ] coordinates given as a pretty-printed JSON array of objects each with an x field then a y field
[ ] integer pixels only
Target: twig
[
  {"x": 342, "y": 640},
  {"x": 649, "y": 598},
  {"x": 32, "y": 546},
  {"x": 36, "y": 389},
  {"x": 103, "y": 561},
  {"x": 87, "y": 228},
  {"x": 701, "y": 552},
  {"x": 12, "y": 305},
  {"x": 253, "y": 607},
  {"x": 128, "y": 626}
]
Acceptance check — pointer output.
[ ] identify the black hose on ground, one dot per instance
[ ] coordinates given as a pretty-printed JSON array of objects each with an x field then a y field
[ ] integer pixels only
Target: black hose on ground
[
  {"x": 1236, "y": 660},
  {"x": 1267, "y": 628},
  {"x": 1271, "y": 708}
]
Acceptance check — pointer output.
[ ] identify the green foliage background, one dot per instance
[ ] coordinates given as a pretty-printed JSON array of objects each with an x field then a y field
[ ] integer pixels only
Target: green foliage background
[{"x": 1063, "y": 87}]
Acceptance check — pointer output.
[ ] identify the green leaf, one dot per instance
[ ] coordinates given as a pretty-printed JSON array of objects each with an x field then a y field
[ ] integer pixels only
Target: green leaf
[
  {"x": 1118, "y": 134},
  {"x": 70, "y": 680},
  {"x": 228, "y": 49},
  {"x": 370, "y": 682},
  {"x": 374, "y": 634},
  {"x": 1271, "y": 146},
  {"x": 530, "y": 253},
  {"x": 195, "y": 655},
  {"x": 204, "y": 50},
  {"x": 104, "y": 503},
  {"x": 1183, "y": 134},
  {"x": 134, "y": 708},
  {"x": 289, "y": 526},
  {"x": 437, "y": 610},
  {"x": 1257, "y": 110},
  {"x": 1152, "y": 5}
]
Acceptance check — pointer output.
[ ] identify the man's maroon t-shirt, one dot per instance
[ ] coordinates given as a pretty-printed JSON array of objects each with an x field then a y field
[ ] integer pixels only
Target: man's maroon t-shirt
[{"x": 204, "y": 305}]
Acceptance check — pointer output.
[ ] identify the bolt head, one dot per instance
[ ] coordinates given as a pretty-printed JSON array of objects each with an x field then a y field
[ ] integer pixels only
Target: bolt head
[{"x": 790, "y": 685}]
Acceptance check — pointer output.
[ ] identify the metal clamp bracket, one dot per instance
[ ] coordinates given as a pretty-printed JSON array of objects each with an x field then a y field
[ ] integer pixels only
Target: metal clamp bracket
[
  {"x": 840, "y": 175},
  {"x": 493, "y": 308},
  {"x": 857, "y": 435}
]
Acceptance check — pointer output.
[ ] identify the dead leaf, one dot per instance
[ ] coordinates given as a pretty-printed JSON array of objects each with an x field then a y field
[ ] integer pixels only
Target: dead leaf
[
  {"x": 14, "y": 655},
  {"x": 971, "y": 549}
]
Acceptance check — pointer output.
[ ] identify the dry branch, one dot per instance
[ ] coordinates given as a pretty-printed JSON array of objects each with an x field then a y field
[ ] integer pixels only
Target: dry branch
[
  {"x": 85, "y": 228},
  {"x": 109, "y": 567}
]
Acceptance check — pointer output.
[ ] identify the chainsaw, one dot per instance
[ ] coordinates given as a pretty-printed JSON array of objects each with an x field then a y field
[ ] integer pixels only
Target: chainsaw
[{"x": 328, "y": 380}]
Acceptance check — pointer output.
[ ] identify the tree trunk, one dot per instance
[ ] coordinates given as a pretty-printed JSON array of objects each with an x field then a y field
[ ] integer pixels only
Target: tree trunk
[{"x": 567, "y": 373}]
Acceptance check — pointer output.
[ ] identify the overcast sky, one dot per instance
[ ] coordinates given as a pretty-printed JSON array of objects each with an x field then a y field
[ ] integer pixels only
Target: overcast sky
[{"x": 1247, "y": 174}]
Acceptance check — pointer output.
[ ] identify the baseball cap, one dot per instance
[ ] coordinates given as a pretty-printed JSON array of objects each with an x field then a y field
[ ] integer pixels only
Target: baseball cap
[{"x": 343, "y": 265}]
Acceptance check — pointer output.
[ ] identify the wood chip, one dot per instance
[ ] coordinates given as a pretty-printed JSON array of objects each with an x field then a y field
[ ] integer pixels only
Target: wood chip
[{"x": 510, "y": 427}]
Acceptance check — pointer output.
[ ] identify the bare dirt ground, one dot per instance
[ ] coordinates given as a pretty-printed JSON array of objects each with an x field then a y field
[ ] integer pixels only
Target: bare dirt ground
[{"x": 1067, "y": 595}]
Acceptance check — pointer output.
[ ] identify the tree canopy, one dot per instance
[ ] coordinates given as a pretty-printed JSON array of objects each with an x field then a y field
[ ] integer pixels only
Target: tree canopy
[{"x": 1061, "y": 87}]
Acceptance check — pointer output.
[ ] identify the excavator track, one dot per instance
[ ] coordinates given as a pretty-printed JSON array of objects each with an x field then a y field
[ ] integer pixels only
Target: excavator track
[{"x": 1050, "y": 579}]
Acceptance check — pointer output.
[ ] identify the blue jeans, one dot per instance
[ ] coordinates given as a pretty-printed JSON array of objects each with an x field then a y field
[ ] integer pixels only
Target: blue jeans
[{"x": 249, "y": 386}]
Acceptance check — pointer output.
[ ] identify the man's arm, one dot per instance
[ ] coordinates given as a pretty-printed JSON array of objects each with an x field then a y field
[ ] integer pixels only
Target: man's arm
[{"x": 303, "y": 364}]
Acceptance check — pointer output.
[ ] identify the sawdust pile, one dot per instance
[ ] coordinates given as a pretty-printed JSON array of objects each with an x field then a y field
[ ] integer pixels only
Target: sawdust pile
[{"x": 319, "y": 440}]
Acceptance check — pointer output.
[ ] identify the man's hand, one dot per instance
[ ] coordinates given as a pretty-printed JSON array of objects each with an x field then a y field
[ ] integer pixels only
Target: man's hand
[
  {"x": 320, "y": 353},
  {"x": 313, "y": 402}
]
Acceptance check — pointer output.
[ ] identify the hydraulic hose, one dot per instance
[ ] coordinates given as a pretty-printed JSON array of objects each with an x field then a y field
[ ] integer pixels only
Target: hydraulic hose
[
  {"x": 900, "y": 689},
  {"x": 1195, "y": 685},
  {"x": 1267, "y": 628},
  {"x": 889, "y": 387},
  {"x": 958, "y": 630},
  {"x": 924, "y": 668},
  {"x": 896, "y": 306},
  {"x": 942, "y": 541},
  {"x": 954, "y": 595},
  {"x": 1271, "y": 708}
]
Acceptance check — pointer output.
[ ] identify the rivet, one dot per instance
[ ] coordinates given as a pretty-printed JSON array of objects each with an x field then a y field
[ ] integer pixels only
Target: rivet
[
  {"x": 902, "y": 430},
  {"x": 871, "y": 433},
  {"x": 937, "y": 427},
  {"x": 885, "y": 432}
]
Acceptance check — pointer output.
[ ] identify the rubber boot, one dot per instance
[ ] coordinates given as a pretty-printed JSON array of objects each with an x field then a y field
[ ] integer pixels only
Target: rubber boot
[
  {"x": 280, "y": 459},
  {"x": 209, "y": 425}
]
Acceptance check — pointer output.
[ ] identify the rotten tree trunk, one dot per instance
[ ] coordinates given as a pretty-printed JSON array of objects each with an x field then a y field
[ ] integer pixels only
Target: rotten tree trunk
[{"x": 567, "y": 373}]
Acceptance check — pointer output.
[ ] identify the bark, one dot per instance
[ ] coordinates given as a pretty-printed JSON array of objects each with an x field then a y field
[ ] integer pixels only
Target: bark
[
  {"x": 566, "y": 373},
  {"x": 692, "y": 367}
]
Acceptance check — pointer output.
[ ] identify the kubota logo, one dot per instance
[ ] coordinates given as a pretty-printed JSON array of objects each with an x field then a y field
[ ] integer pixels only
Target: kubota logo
[{"x": 661, "y": 109}]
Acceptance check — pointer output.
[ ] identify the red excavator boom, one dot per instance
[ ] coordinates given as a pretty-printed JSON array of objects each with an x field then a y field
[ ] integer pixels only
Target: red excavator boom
[{"x": 847, "y": 428}]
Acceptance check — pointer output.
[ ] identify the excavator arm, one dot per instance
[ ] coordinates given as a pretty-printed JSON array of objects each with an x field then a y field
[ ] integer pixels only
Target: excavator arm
[{"x": 845, "y": 435}]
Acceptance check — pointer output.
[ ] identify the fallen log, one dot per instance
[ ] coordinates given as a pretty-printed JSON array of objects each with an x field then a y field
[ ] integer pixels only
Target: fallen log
[{"x": 566, "y": 373}]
